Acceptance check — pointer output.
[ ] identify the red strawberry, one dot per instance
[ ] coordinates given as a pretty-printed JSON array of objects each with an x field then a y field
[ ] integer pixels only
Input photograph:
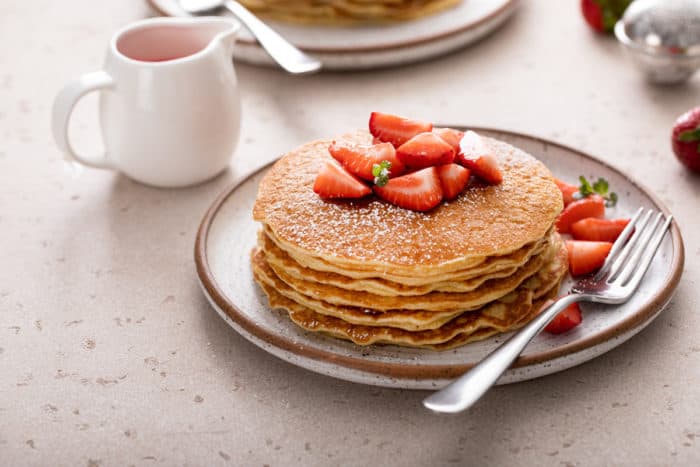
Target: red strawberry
[
  {"x": 598, "y": 230},
  {"x": 453, "y": 179},
  {"x": 602, "y": 15},
  {"x": 567, "y": 191},
  {"x": 451, "y": 136},
  {"x": 418, "y": 191},
  {"x": 333, "y": 181},
  {"x": 586, "y": 257},
  {"x": 685, "y": 139},
  {"x": 477, "y": 157},
  {"x": 592, "y": 206},
  {"x": 394, "y": 129},
  {"x": 425, "y": 150},
  {"x": 567, "y": 319},
  {"x": 359, "y": 159}
]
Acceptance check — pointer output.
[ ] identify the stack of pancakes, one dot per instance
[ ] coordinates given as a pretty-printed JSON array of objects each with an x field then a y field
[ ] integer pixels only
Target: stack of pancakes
[
  {"x": 371, "y": 272},
  {"x": 340, "y": 12}
]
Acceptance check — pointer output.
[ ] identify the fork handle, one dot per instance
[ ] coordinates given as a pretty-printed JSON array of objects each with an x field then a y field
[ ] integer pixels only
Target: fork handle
[
  {"x": 468, "y": 388},
  {"x": 282, "y": 51}
]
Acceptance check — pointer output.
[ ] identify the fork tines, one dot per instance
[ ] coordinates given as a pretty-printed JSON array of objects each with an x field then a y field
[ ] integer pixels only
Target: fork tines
[{"x": 634, "y": 249}]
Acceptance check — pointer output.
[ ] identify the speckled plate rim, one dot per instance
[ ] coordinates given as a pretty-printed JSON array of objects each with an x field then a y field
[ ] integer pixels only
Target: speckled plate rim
[
  {"x": 500, "y": 13},
  {"x": 605, "y": 339}
]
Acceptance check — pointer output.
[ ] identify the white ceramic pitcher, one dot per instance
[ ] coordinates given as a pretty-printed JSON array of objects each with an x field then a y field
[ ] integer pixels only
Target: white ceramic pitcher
[{"x": 169, "y": 101}]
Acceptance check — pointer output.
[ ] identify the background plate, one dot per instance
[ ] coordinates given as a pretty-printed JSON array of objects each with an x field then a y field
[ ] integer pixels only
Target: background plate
[
  {"x": 363, "y": 47},
  {"x": 227, "y": 234}
]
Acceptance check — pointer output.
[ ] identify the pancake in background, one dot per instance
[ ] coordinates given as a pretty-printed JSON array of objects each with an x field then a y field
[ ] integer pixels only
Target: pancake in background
[{"x": 346, "y": 12}]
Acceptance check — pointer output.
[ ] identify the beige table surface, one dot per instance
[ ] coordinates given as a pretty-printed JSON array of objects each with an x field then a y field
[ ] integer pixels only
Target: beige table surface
[{"x": 110, "y": 355}]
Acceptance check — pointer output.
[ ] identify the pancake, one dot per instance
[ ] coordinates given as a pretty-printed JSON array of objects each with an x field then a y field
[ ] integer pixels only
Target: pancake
[
  {"x": 486, "y": 265},
  {"x": 373, "y": 273},
  {"x": 506, "y": 314},
  {"x": 346, "y": 12},
  {"x": 490, "y": 290},
  {"x": 410, "y": 320},
  {"x": 373, "y": 235},
  {"x": 456, "y": 282}
]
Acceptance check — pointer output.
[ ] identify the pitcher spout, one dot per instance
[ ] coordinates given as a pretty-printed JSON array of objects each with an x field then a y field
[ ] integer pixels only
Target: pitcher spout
[
  {"x": 174, "y": 39},
  {"x": 227, "y": 35}
]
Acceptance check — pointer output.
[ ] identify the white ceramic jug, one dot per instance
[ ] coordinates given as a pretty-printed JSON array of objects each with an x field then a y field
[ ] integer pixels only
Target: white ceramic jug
[{"x": 169, "y": 101}]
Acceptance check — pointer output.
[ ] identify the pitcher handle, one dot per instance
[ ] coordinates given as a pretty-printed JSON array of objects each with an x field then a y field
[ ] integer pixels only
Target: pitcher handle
[{"x": 63, "y": 108}]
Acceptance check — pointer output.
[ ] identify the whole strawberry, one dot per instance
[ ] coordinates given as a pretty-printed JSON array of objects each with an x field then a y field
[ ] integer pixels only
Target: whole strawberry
[
  {"x": 602, "y": 15},
  {"x": 685, "y": 139}
]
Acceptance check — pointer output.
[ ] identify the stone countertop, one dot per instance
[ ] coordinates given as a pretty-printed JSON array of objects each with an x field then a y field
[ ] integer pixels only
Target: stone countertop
[{"x": 110, "y": 354}]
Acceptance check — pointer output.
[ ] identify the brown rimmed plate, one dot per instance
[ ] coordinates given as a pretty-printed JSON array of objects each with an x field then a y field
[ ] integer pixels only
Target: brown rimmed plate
[
  {"x": 222, "y": 255},
  {"x": 366, "y": 47}
]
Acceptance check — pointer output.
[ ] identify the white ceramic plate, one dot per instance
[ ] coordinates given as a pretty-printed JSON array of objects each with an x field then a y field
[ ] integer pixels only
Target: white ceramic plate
[
  {"x": 228, "y": 233},
  {"x": 363, "y": 47}
]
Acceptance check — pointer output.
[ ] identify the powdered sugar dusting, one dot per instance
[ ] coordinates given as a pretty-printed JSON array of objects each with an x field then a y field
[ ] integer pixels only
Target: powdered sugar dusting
[{"x": 484, "y": 220}]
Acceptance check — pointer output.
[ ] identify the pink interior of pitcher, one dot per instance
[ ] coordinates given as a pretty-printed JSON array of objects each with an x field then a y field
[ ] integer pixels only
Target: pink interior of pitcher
[{"x": 163, "y": 42}]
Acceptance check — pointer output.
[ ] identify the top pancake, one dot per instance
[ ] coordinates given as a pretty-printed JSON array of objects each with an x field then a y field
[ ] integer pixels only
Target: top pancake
[{"x": 370, "y": 234}]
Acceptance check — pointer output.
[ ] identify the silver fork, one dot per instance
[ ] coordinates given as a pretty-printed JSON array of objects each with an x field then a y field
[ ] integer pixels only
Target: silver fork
[
  {"x": 615, "y": 283},
  {"x": 290, "y": 58}
]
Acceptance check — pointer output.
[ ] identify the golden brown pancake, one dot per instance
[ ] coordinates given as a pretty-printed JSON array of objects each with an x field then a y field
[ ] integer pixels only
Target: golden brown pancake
[
  {"x": 489, "y": 290},
  {"x": 410, "y": 320},
  {"x": 373, "y": 235},
  {"x": 505, "y": 314},
  {"x": 371, "y": 272},
  {"x": 459, "y": 281}
]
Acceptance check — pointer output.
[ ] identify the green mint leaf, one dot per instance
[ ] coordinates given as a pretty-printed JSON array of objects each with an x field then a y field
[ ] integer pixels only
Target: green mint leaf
[
  {"x": 689, "y": 136},
  {"x": 381, "y": 173},
  {"x": 585, "y": 189},
  {"x": 601, "y": 186}
]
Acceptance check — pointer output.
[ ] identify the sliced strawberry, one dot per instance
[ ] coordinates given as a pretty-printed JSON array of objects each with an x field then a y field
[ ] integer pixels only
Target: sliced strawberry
[
  {"x": 476, "y": 156},
  {"x": 425, "y": 150},
  {"x": 567, "y": 191},
  {"x": 418, "y": 191},
  {"x": 567, "y": 319},
  {"x": 394, "y": 129},
  {"x": 358, "y": 159},
  {"x": 333, "y": 181},
  {"x": 592, "y": 206},
  {"x": 451, "y": 136},
  {"x": 453, "y": 179},
  {"x": 598, "y": 230},
  {"x": 586, "y": 257}
]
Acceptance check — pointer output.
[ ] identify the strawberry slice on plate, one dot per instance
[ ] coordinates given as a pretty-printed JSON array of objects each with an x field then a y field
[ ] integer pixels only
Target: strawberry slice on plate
[
  {"x": 418, "y": 191},
  {"x": 450, "y": 136},
  {"x": 598, "y": 230},
  {"x": 453, "y": 179},
  {"x": 567, "y": 191},
  {"x": 358, "y": 159},
  {"x": 333, "y": 181},
  {"x": 425, "y": 150},
  {"x": 476, "y": 156},
  {"x": 592, "y": 206},
  {"x": 586, "y": 257},
  {"x": 394, "y": 129},
  {"x": 566, "y": 320}
]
